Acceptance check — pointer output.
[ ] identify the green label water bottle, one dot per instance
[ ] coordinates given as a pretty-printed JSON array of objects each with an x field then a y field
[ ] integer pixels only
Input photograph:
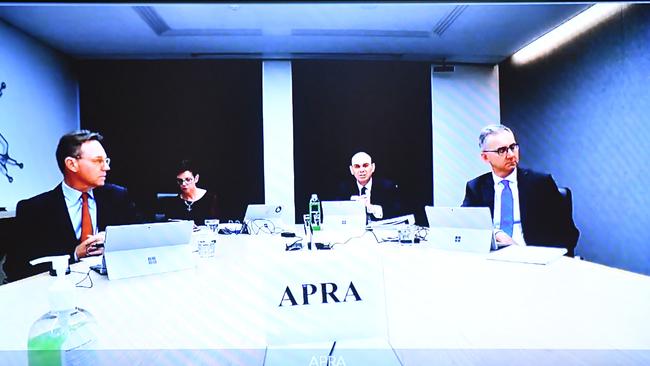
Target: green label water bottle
[{"x": 314, "y": 212}]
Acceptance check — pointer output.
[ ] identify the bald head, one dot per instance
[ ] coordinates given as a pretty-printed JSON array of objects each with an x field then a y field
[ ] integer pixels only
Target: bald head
[
  {"x": 362, "y": 167},
  {"x": 360, "y": 157}
]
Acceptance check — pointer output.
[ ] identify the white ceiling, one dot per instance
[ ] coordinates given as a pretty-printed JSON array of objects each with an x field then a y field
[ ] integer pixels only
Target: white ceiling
[{"x": 470, "y": 33}]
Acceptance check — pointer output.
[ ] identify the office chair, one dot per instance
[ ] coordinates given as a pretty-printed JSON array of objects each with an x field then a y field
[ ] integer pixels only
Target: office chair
[
  {"x": 567, "y": 205},
  {"x": 567, "y": 199},
  {"x": 160, "y": 216},
  {"x": 7, "y": 226}
]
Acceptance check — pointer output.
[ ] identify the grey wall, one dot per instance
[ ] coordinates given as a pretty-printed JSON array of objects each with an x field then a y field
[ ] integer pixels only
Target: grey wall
[
  {"x": 39, "y": 105},
  {"x": 582, "y": 114}
]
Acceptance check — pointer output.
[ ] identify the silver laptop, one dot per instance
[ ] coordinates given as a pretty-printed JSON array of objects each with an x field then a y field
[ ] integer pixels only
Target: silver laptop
[
  {"x": 143, "y": 249},
  {"x": 344, "y": 215},
  {"x": 460, "y": 228},
  {"x": 266, "y": 218}
]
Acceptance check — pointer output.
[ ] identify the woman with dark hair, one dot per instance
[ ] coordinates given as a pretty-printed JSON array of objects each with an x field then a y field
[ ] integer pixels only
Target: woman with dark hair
[{"x": 192, "y": 203}]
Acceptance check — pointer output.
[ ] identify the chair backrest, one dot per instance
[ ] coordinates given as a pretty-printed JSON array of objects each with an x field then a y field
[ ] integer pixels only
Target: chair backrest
[
  {"x": 567, "y": 204},
  {"x": 161, "y": 195},
  {"x": 7, "y": 228},
  {"x": 567, "y": 199},
  {"x": 159, "y": 215}
]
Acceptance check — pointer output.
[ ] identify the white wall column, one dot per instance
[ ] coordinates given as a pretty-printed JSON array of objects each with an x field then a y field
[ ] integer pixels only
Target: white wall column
[
  {"x": 462, "y": 103},
  {"x": 277, "y": 109}
]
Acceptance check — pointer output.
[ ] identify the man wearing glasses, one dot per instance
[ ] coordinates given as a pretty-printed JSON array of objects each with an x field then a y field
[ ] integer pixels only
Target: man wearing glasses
[
  {"x": 70, "y": 219},
  {"x": 526, "y": 205}
]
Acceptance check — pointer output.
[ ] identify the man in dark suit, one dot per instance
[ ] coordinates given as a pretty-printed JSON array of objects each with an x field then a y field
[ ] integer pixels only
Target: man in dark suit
[
  {"x": 526, "y": 205},
  {"x": 70, "y": 218},
  {"x": 380, "y": 196}
]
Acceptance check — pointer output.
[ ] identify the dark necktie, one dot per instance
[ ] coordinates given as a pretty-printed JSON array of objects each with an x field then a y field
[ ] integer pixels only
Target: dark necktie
[
  {"x": 363, "y": 191},
  {"x": 507, "y": 211},
  {"x": 86, "y": 221}
]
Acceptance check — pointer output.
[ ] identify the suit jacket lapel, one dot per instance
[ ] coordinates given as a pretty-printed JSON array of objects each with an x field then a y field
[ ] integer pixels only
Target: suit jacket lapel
[
  {"x": 376, "y": 195},
  {"x": 487, "y": 190},
  {"x": 98, "y": 195},
  {"x": 523, "y": 187},
  {"x": 62, "y": 212},
  {"x": 354, "y": 189}
]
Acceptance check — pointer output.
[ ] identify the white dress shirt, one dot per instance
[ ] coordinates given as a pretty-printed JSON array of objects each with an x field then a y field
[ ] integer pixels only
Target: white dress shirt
[
  {"x": 376, "y": 210},
  {"x": 517, "y": 232},
  {"x": 368, "y": 188}
]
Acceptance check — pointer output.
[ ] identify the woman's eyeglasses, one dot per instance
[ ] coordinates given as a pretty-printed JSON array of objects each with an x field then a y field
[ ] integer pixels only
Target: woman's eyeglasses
[{"x": 187, "y": 180}]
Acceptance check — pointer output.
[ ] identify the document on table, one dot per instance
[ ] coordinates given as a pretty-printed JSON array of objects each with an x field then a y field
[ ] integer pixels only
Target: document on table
[{"x": 527, "y": 254}]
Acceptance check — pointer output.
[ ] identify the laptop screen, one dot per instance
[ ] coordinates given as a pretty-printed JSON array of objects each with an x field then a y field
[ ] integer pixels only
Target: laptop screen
[
  {"x": 345, "y": 213},
  {"x": 263, "y": 212},
  {"x": 138, "y": 236},
  {"x": 144, "y": 249},
  {"x": 459, "y": 217},
  {"x": 460, "y": 228}
]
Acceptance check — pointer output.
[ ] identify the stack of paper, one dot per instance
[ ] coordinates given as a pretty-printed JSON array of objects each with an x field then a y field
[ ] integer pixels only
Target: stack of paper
[{"x": 527, "y": 254}]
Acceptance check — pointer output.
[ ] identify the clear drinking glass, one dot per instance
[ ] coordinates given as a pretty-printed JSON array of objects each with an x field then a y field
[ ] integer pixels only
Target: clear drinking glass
[
  {"x": 206, "y": 245},
  {"x": 212, "y": 224},
  {"x": 406, "y": 234}
]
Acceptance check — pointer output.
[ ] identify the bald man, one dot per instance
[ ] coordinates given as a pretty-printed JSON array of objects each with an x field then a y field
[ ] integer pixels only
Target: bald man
[{"x": 380, "y": 196}]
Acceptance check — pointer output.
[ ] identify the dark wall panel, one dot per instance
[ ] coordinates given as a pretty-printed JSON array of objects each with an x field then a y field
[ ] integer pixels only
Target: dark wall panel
[
  {"x": 155, "y": 113},
  {"x": 582, "y": 114},
  {"x": 383, "y": 108}
]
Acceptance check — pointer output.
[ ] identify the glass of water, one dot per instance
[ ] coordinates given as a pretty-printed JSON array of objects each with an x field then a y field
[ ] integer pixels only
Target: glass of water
[
  {"x": 206, "y": 245},
  {"x": 406, "y": 234},
  {"x": 212, "y": 224}
]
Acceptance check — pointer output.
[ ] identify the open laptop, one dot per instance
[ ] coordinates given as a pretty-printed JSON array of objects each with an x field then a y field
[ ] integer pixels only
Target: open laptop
[
  {"x": 265, "y": 218},
  {"x": 143, "y": 249},
  {"x": 344, "y": 215},
  {"x": 460, "y": 228},
  {"x": 342, "y": 221}
]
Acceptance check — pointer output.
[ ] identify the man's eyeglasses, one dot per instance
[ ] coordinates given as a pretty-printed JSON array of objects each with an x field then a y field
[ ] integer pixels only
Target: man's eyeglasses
[
  {"x": 504, "y": 149},
  {"x": 187, "y": 180},
  {"x": 99, "y": 160}
]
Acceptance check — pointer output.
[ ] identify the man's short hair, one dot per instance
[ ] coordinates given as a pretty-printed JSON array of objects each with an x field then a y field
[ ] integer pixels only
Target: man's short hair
[
  {"x": 70, "y": 144},
  {"x": 490, "y": 130},
  {"x": 187, "y": 165}
]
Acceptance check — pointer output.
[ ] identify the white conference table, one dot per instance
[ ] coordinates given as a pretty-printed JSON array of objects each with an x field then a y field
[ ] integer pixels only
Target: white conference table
[{"x": 441, "y": 307}]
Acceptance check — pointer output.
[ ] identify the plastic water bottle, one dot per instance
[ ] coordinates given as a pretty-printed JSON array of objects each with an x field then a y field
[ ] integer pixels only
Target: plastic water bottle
[
  {"x": 66, "y": 335},
  {"x": 314, "y": 212}
]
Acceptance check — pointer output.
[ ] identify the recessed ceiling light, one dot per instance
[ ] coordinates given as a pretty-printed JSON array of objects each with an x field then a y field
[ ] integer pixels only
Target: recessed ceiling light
[
  {"x": 234, "y": 7},
  {"x": 567, "y": 31}
]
